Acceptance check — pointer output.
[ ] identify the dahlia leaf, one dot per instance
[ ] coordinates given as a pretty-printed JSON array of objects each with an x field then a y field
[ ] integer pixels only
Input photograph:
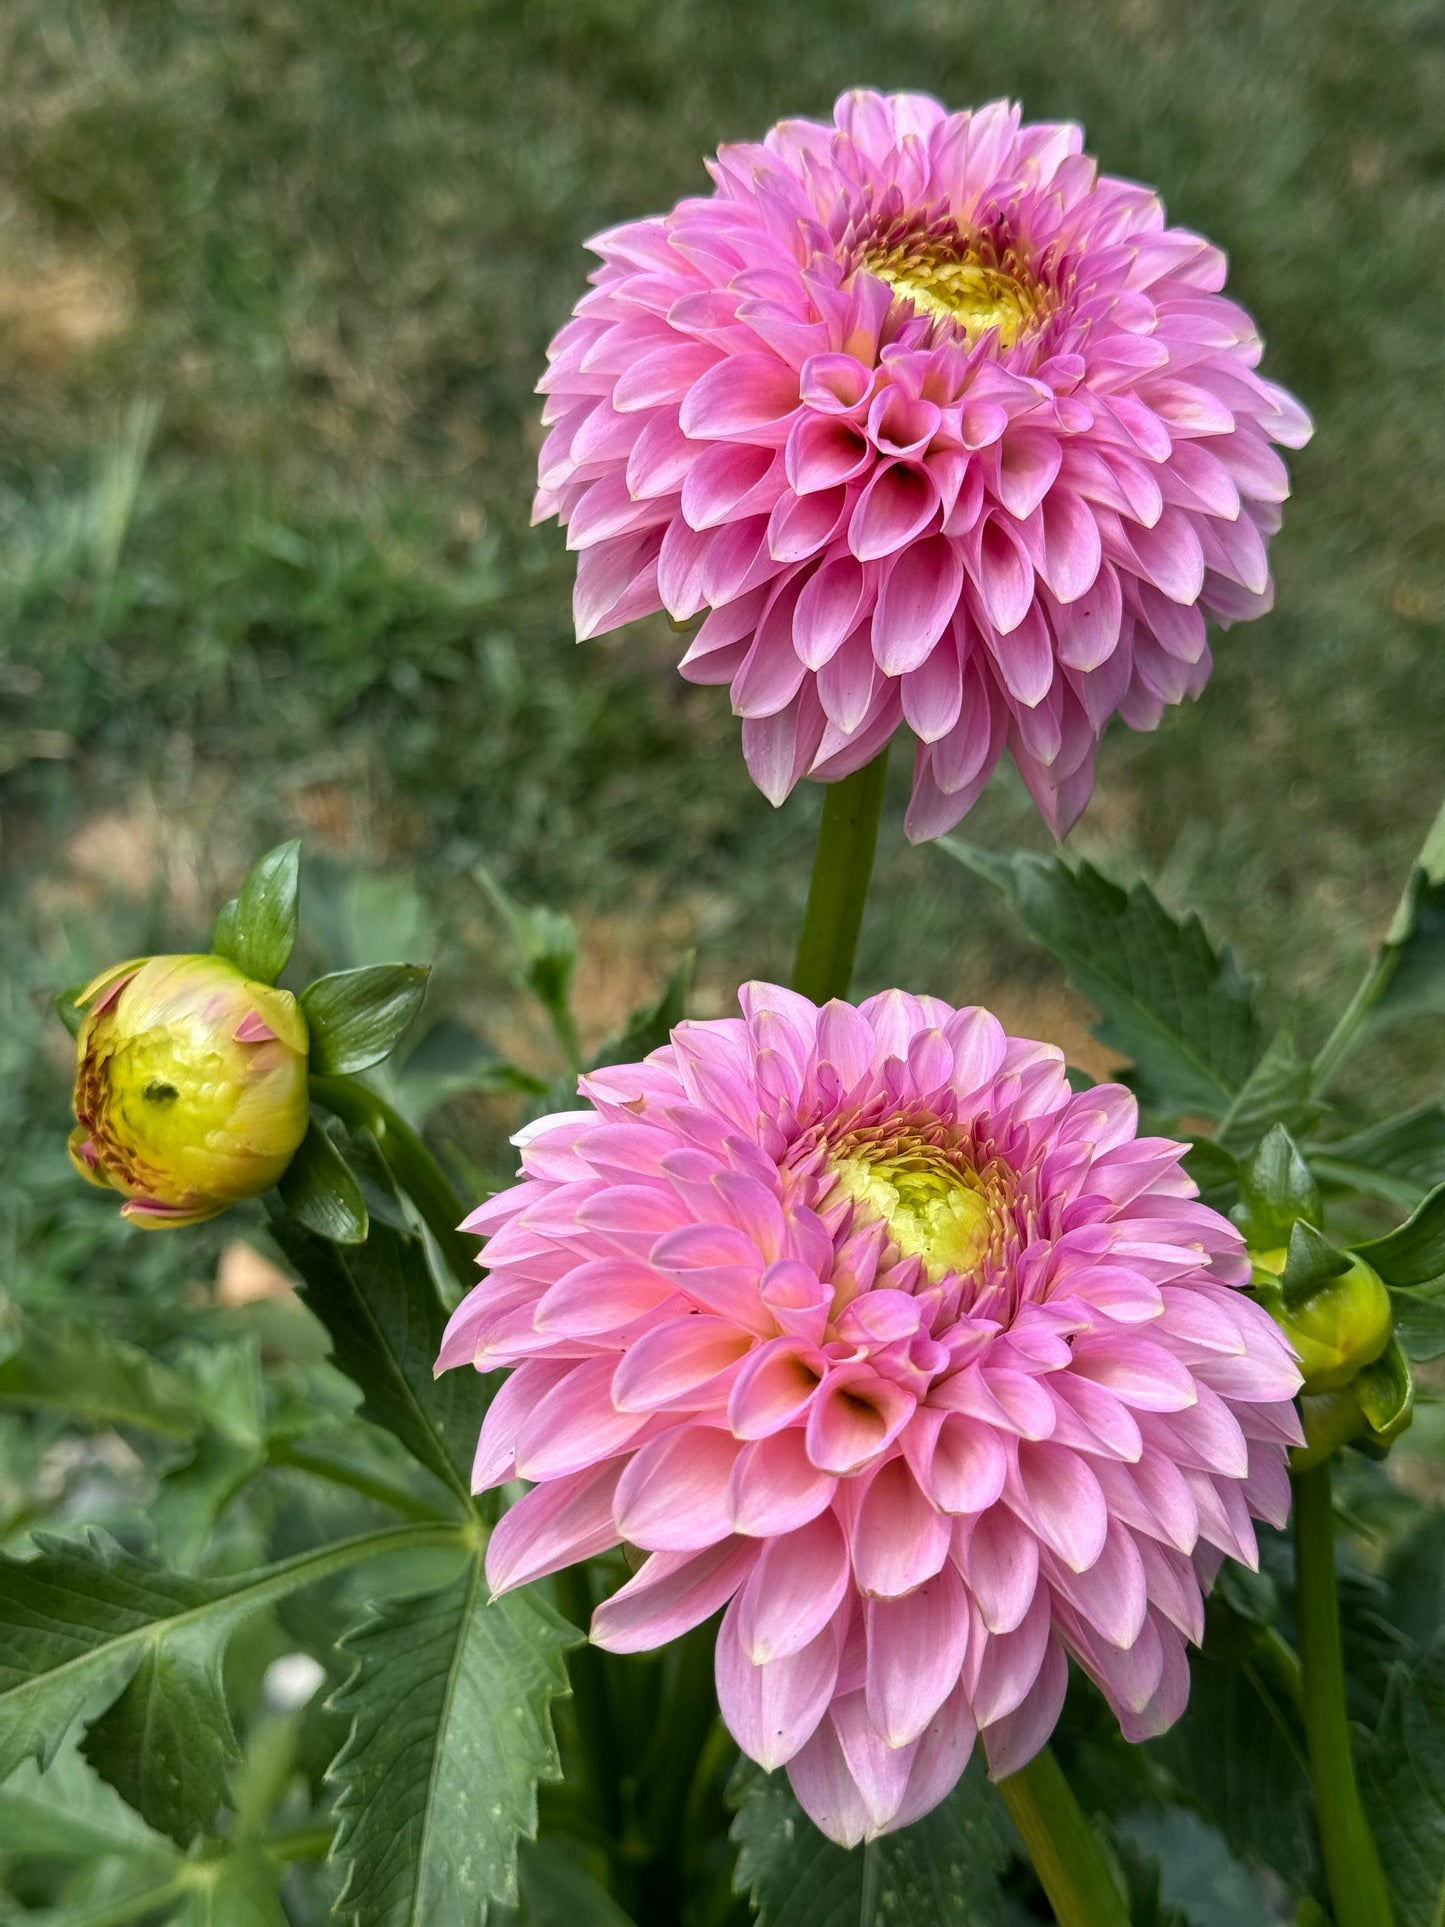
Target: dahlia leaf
[
  {"x": 944, "y": 1867},
  {"x": 1200, "y": 1880},
  {"x": 167, "y": 1744},
  {"x": 1277, "y": 1091},
  {"x": 77, "y": 1622},
  {"x": 1399, "y": 1159},
  {"x": 1414, "y": 1252},
  {"x": 1179, "y": 1010},
  {"x": 546, "y": 941},
  {"x": 69, "y": 1812},
  {"x": 1238, "y": 1754},
  {"x": 76, "y": 1369},
  {"x": 1419, "y": 1323},
  {"x": 1413, "y": 953},
  {"x": 379, "y": 1302},
  {"x": 452, "y": 1732},
  {"x": 358, "y": 1016},
  {"x": 1403, "y": 1783},
  {"x": 321, "y": 1192},
  {"x": 257, "y": 929}
]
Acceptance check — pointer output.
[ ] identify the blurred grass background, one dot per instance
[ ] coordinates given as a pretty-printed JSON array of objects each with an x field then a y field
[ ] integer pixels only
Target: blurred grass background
[{"x": 276, "y": 279}]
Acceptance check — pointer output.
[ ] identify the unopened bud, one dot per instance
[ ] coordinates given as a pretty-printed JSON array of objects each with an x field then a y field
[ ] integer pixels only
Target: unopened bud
[
  {"x": 190, "y": 1087},
  {"x": 1340, "y": 1328}
]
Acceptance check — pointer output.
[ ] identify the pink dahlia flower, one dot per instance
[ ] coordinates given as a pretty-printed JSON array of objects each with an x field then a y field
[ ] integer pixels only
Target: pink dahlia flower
[
  {"x": 863, "y": 1325},
  {"x": 943, "y": 427}
]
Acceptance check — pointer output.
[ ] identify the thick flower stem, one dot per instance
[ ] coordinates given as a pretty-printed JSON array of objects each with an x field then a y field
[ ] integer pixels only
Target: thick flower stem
[
  {"x": 1356, "y": 1880},
  {"x": 842, "y": 867},
  {"x": 1067, "y": 1857},
  {"x": 411, "y": 1164}
]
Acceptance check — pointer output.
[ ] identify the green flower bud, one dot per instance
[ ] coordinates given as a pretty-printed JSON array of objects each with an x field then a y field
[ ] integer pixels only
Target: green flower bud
[
  {"x": 190, "y": 1087},
  {"x": 1339, "y": 1329}
]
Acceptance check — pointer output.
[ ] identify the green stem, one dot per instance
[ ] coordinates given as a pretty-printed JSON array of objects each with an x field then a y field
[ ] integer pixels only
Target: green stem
[
  {"x": 1343, "y": 1038},
  {"x": 337, "y": 1472},
  {"x": 411, "y": 1164},
  {"x": 1352, "y": 1864},
  {"x": 1063, "y": 1846},
  {"x": 842, "y": 867},
  {"x": 299, "y": 1843}
]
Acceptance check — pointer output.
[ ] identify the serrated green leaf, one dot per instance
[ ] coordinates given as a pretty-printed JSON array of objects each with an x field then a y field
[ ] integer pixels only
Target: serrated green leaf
[
  {"x": 1238, "y": 1754},
  {"x": 1401, "y": 1159},
  {"x": 64, "y": 1366},
  {"x": 1419, "y": 1323},
  {"x": 1276, "y": 1190},
  {"x": 1312, "y": 1262},
  {"x": 1414, "y": 1252},
  {"x": 944, "y": 1867},
  {"x": 357, "y": 1017},
  {"x": 1402, "y": 1780},
  {"x": 257, "y": 929},
  {"x": 1179, "y": 1010},
  {"x": 379, "y": 1303},
  {"x": 1277, "y": 1091},
  {"x": 451, "y": 1701},
  {"x": 167, "y": 1743},
  {"x": 1414, "y": 1574},
  {"x": 69, "y": 1812},
  {"x": 76, "y": 1623},
  {"x": 321, "y": 1191}
]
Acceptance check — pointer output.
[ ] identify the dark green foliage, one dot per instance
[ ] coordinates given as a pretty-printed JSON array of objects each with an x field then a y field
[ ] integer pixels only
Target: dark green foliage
[
  {"x": 1176, "y": 1008},
  {"x": 1403, "y": 1780},
  {"x": 450, "y": 1698},
  {"x": 321, "y": 1191},
  {"x": 946, "y": 1867},
  {"x": 357, "y": 1017}
]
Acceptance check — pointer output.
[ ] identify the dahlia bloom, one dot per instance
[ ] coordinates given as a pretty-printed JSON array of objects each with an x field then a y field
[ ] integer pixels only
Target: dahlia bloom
[
  {"x": 861, "y": 1324},
  {"x": 942, "y": 427}
]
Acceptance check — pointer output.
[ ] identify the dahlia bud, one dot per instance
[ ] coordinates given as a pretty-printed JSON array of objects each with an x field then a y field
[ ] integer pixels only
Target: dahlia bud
[
  {"x": 190, "y": 1087},
  {"x": 1342, "y": 1326}
]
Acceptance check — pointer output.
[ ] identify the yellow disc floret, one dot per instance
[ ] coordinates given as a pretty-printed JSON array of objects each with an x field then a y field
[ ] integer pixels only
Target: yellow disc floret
[
  {"x": 934, "y": 1206},
  {"x": 956, "y": 286}
]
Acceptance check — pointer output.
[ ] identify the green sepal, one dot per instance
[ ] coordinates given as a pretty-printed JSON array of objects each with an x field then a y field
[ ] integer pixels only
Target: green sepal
[
  {"x": 1385, "y": 1393},
  {"x": 67, "y": 1009},
  {"x": 1313, "y": 1261},
  {"x": 1276, "y": 1191},
  {"x": 1414, "y": 1252},
  {"x": 321, "y": 1191},
  {"x": 358, "y": 1016},
  {"x": 256, "y": 930}
]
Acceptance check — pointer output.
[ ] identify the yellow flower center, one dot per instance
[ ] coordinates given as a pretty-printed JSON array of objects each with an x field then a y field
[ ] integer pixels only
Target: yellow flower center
[
  {"x": 958, "y": 287},
  {"x": 935, "y": 1208}
]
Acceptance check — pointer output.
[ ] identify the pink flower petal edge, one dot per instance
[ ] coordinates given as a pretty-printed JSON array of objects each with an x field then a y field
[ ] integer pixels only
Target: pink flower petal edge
[{"x": 864, "y": 1326}]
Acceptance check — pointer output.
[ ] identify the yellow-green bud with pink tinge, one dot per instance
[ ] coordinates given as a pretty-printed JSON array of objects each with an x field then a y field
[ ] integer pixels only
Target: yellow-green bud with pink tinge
[
  {"x": 190, "y": 1087},
  {"x": 1338, "y": 1330}
]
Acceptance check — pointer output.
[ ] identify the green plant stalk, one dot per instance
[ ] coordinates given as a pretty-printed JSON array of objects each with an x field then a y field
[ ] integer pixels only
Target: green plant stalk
[
  {"x": 842, "y": 868},
  {"x": 411, "y": 1164},
  {"x": 1346, "y": 1033},
  {"x": 1063, "y": 1846},
  {"x": 1358, "y": 1894}
]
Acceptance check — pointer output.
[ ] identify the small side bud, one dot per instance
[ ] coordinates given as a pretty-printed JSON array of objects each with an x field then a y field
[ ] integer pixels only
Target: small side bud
[
  {"x": 190, "y": 1087},
  {"x": 1341, "y": 1327}
]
